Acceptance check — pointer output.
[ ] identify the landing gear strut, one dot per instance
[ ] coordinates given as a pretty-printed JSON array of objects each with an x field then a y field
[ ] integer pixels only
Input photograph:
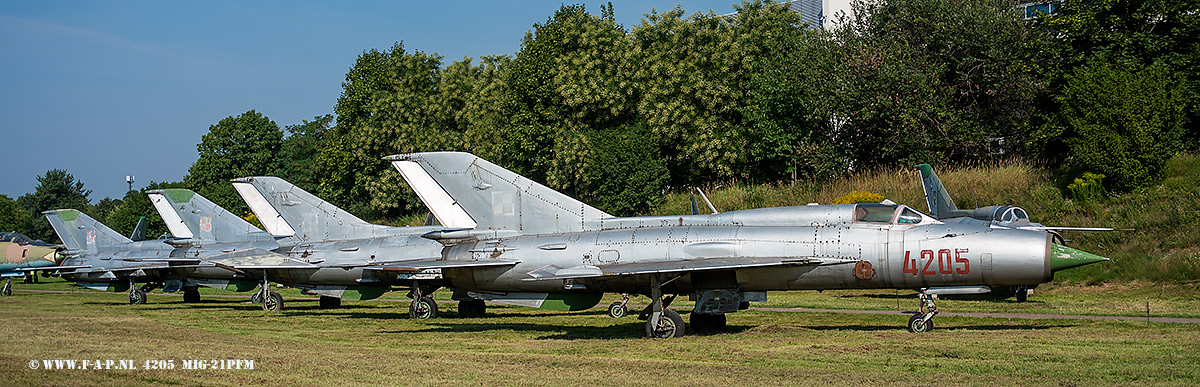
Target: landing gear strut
[
  {"x": 662, "y": 323},
  {"x": 620, "y": 308},
  {"x": 137, "y": 296},
  {"x": 271, "y": 301},
  {"x": 422, "y": 307},
  {"x": 923, "y": 320},
  {"x": 7, "y": 289}
]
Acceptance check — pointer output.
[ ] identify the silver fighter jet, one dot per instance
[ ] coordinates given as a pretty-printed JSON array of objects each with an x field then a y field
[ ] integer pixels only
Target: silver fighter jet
[{"x": 569, "y": 253}]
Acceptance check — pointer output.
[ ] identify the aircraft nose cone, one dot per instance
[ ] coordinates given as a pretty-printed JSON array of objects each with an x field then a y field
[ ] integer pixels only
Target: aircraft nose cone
[{"x": 1063, "y": 257}]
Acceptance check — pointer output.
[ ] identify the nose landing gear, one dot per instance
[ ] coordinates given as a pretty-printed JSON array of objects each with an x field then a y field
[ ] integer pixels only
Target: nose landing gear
[{"x": 923, "y": 320}]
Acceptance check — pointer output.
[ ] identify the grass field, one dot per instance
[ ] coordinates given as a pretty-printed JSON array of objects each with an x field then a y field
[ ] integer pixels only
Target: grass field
[{"x": 370, "y": 343}]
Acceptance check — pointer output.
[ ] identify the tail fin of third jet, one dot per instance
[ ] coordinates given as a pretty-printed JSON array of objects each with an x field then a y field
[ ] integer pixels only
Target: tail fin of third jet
[
  {"x": 940, "y": 204},
  {"x": 80, "y": 232},
  {"x": 288, "y": 211},
  {"x": 488, "y": 196},
  {"x": 190, "y": 215}
]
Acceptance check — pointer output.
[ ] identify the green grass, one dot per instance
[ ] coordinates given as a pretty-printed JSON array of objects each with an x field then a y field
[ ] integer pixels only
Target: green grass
[{"x": 370, "y": 343}]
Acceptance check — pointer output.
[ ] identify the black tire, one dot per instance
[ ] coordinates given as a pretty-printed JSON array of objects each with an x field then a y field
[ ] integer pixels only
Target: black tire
[
  {"x": 423, "y": 309},
  {"x": 617, "y": 310},
  {"x": 137, "y": 297},
  {"x": 669, "y": 325},
  {"x": 7, "y": 290},
  {"x": 191, "y": 295},
  {"x": 917, "y": 324},
  {"x": 326, "y": 302},
  {"x": 1022, "y": 294},
  {"x": 274, "y": 303},
  {"x": 471, "y": 308},
  {"x": 256, "y": 298}
]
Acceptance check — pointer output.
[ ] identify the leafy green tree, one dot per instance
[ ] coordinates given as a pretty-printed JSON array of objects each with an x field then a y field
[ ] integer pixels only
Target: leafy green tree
[
  {"x": 13, "y": 217},
  {"x": 1129, "y": 33},
  {"x": 135, "y": 205},
  {"x": 102, "y": 208},
  {"x": 246, "y": 145},
  {"x": 396, "y": 102},
  {"x": 56, "y": 189},
  {"x": 1123, "y": 123},
  {"x": 571, "y": 75},
  {"x": 297, "y": 163},
  {"x": 929, "y": 81}
]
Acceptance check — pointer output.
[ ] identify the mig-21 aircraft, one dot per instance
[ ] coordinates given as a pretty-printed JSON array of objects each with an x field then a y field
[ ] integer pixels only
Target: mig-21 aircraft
[
  {"x": 340, "y": 256},
  {"x": 569, "y": 253},
  {"x": 942, "y": 208}
]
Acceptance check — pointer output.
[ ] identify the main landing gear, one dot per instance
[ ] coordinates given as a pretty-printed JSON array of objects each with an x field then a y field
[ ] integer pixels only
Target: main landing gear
[
  {"x": 7, "y": 289},
  {"x": 422, "y": 307},
  {"x": 662, "y": 323},
  {"x": 271, "y": 301},
  {"x": 137, "y": 296},
  {"x": 923, "y": 320}
]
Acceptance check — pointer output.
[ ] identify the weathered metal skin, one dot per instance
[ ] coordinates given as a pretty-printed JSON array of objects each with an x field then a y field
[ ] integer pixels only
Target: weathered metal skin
[
  {"x": 356, "y": 251},
  {"x": 955, "y": 254}
]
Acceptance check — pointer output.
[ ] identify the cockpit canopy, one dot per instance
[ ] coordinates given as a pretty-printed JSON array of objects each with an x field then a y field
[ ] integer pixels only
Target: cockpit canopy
[
  {"x": 889, "y": 213},
  {"x": 1001, "y": 214}
]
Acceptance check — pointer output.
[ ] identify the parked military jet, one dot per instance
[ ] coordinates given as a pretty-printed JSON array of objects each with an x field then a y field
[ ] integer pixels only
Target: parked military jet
[
  {"x": 21, "y": 256},
  {"x": 203, "y": 230},
  {"x": 340, "y": 256},
  {"x": 96, "y": 255},
  {"x": 942, "y": 208},
  {"x": 570, "y": 253}
]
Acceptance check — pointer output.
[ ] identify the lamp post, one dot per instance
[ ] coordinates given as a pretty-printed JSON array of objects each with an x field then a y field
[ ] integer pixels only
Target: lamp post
[{"x": 129, "y": 179}]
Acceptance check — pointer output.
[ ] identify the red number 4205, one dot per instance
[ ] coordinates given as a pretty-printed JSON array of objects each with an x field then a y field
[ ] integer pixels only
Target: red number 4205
[{"x": 946, "y": 264}]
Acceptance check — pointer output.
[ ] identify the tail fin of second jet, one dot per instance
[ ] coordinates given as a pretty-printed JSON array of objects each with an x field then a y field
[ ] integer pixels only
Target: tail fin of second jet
[
  {"x": 940, "y": 204},
  {"x": 285, "y": 210},
  {"x": 81, "y": 233},
  {"x": 462, "y": 189},
  {"x": 190, "y": 215}
]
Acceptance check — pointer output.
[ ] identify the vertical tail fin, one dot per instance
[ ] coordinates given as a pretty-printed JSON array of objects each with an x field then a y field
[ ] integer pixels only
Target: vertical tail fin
[
  {"x": 455, "y": 184},
  {"x": 139, "y": 231},
  {"x": 940, "y": 204},
  {"x": 190, "y": 215},
  {"x": 288, "y": 211},
  {"x": 82, "y": 233}
]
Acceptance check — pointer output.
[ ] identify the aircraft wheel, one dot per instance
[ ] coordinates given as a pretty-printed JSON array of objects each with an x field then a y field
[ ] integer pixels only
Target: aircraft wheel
[
  {"x": 471, "y": 308},
  {"x": 274, "y": 302},
  {"x": 423, "y": 309},
  {"x": 7, "y": 290},
  {"x": 1022, "y": 294},
  {"x": 191, "y": 295},
  {"x": 327, "y": 302},
  {"x": 917, "y": 324},
  {"x": 670, "y": 324},
  {"x": 256, "y": 298},
  {"x": 617, "y": 310},
  {"x": 137, "y": 297}
]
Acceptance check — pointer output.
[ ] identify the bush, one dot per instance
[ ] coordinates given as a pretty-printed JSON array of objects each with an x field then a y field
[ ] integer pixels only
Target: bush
[{"x": 859, "y": 197}]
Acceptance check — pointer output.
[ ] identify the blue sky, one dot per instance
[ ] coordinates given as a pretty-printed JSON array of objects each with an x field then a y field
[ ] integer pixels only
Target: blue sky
[{"x": 105, "y": 89}]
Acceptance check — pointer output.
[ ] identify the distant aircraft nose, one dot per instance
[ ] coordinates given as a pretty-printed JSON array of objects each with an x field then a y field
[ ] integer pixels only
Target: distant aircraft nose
[{"x": 1063, "y": 257}]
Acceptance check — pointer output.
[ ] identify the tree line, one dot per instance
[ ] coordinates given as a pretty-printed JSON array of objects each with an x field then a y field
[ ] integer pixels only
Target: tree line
[{"x": 617, "y": 116}]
